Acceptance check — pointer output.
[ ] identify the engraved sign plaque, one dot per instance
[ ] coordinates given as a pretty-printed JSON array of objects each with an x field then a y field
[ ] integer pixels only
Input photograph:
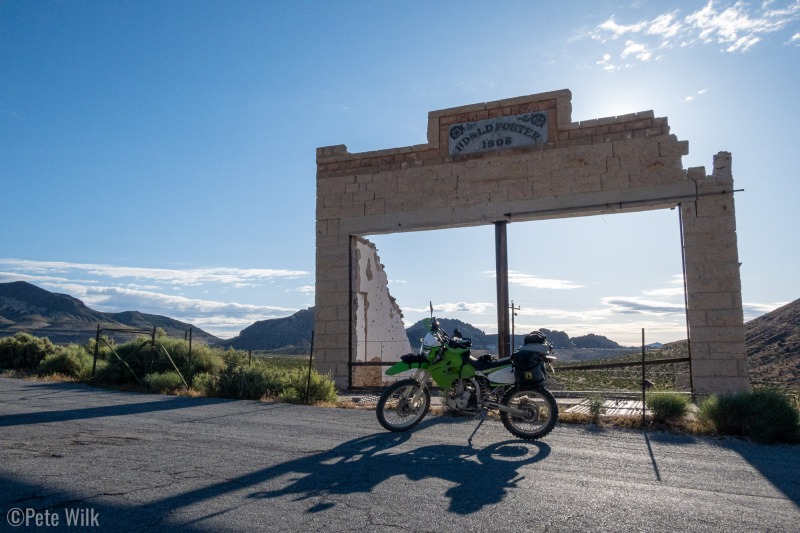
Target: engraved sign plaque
[{"x": 498, "y": 133}]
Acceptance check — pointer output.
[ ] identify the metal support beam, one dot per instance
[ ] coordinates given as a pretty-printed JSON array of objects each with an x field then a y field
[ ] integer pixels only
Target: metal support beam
[{"x": 501, "y": 252}]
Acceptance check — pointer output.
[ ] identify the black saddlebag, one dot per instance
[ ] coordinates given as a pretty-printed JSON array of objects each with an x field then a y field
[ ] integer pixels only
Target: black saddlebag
[{"x": 528, "y": 368}]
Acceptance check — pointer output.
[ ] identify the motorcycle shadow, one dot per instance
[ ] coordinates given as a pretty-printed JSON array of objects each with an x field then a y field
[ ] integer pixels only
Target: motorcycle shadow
[{"x": 475, "y": 478}]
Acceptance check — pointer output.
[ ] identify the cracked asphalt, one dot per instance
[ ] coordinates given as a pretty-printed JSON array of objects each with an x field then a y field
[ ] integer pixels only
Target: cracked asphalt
[{"x": 134, "y": 462}]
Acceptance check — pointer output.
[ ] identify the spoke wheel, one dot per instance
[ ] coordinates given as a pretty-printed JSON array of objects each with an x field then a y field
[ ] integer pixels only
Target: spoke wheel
[
  {"x": 398, "y": 411},
  {"x": 540, "y": 408}
]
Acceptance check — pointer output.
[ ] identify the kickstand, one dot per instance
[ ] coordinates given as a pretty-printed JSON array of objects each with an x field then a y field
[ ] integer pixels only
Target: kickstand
[{"x": 484, "y": 412}]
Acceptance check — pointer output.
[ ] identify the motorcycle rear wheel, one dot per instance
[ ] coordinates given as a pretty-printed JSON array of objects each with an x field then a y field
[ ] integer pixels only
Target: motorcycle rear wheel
[
  {"x": 396, "y": 409},
  {"x": 541, "y": 409}
]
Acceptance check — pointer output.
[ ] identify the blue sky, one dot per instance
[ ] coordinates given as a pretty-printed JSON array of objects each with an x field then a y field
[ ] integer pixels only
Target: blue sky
[{"x": 160, "y": 156}]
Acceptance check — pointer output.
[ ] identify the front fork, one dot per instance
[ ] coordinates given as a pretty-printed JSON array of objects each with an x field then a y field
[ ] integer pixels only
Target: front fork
[{"x": 421, "y": 376}]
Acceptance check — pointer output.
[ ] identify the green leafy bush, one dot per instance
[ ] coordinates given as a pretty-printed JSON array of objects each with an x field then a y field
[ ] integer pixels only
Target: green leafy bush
[
  {"x": 206, "y": 384},
  {"x": 24, "y": 351},
  {"x": 72, "y": 361},
  {"x": 249, "y": 383},
  {"x": 596, "y": 407},
  {"x": 203, "y": 359},
  {"x": 668, "y": 405},
  {"x": 212, "y": 372},
  {"x": 165, "y": 382},
  {"x": 296, "y": 387},
  {"x": 765, "y": 415}
]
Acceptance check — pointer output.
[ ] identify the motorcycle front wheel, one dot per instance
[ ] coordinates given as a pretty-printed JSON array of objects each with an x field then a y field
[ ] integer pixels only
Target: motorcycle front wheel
[
  {"x": 397, "y": 410},
  {"x": 540, "y": 408}
]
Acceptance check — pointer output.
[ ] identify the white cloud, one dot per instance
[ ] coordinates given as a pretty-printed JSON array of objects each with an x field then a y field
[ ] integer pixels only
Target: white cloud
[
  {"x": 638, "y": 50},
  {"x": 615, "y": 31},
  {"x": 701, "y": 92},
  {"x": 735, "y": 25},
  {"x": 664, "y": 25},
  {"x": 219, "y": 318},
  {"x": 184, "y": 277},
  {"x": 535, "y": 282},
  {"x": 637, "y": 305},
  {"x": 665, "y": 293},
  {"x": 755, "y": 310},
  {"x": 605, "y": 62},
  {"x": 476, "y": 308},
  {"x": 738, "y": 26}
]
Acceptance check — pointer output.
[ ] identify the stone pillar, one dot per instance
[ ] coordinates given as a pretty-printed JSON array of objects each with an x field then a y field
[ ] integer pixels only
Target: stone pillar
[
  {"x": 716, "y": 327},
  {"x": 331, "y": 303}
]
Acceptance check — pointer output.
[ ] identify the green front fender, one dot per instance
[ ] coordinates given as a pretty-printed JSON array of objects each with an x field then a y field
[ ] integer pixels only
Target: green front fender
[
  {"x": 396, "y": 368},
  {"x": 401, "y": 366}
]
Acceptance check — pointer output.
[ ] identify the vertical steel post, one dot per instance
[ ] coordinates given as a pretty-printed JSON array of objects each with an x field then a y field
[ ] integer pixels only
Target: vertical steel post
[
  {"x": 644, "y": 386},
  {"x": 96, "y": 348},
  {"x": 686, "y": 298},
  {"x": 310, "y": 366},
  {"x": 191, "y": 370},
  {"x": 501, "y": 252}
]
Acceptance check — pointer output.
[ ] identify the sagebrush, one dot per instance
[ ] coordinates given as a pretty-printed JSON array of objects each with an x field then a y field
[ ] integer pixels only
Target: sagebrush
[
  {"x": 765, "y": 415},
  {"x": 167, "y": 366}
]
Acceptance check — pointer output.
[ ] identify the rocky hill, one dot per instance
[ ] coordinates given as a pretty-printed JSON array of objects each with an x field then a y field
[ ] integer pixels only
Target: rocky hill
[
  {"x": 64, "y": 319},
  {"x": 773, "y": 347},
  {"x": 290, "y": 335}
]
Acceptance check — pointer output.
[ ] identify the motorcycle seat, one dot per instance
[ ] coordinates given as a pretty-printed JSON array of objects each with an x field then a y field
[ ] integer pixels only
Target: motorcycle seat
[
  {"x": 486, "y": 362},
  {"x": 413, "y": 359}
]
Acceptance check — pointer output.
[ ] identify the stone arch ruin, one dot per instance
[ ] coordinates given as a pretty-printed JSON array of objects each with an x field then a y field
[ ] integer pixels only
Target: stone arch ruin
[{"x": 519, "y": 159}]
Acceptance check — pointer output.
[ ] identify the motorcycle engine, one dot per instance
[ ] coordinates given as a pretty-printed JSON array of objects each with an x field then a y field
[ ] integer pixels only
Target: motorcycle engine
[{"x": 460, "y": 396}]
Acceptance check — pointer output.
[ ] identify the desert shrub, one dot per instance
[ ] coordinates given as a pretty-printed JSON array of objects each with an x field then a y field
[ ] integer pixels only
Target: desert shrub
[
  {"x": 668, "y": 405},
  {"x": 596, "y": 407},
  {"x": 204, "y": 360},
  {"x": 24, "y": 351},
  {"x": 165, "y": 382},
  {"x": 206, "y": 384},
  {"x": 72, "y": 361},
  {"x": 248, "y": 383},
  {"x": 143, "y": 360},
  {"x": 296, "y": 387},
  {"x": 764, "y": 415},
  {"x": 115, "y": 372}
]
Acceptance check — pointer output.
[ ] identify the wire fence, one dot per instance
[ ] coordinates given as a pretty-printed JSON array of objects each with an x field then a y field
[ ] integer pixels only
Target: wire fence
[{"x": 632, "y": 373}]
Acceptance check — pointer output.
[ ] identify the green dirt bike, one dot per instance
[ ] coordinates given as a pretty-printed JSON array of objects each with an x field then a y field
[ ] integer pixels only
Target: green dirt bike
[{"x": 513, "y": 385}]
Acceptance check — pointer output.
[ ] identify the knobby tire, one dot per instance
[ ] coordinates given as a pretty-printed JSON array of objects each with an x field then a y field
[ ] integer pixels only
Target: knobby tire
[
  {"x": 394, "y": 411},
  {"x": 542, "y": 406}
]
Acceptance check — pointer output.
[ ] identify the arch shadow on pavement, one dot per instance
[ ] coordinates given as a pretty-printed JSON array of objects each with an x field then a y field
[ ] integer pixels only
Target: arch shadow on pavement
[{"x": 479, "y": 477}]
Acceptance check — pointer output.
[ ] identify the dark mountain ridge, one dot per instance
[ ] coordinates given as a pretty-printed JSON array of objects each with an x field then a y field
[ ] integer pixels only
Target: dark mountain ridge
[
  {"x": 64, "y": 319},
  {"x": 290, "y": 335}
]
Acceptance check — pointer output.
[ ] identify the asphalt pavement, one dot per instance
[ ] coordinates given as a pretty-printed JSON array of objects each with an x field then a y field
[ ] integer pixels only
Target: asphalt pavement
[{"x": 77, "y": 457}]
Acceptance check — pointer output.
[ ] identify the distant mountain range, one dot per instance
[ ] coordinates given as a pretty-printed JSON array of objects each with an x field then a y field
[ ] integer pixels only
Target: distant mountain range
[
  {"x": 64, "y": 319},
  {"x": 488, "y": 341},
  {"x": 773, "y": 339}
]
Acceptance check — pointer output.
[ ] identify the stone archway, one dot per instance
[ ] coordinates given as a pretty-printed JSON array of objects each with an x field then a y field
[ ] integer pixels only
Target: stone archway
[{"x": 524, "y": 159}]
